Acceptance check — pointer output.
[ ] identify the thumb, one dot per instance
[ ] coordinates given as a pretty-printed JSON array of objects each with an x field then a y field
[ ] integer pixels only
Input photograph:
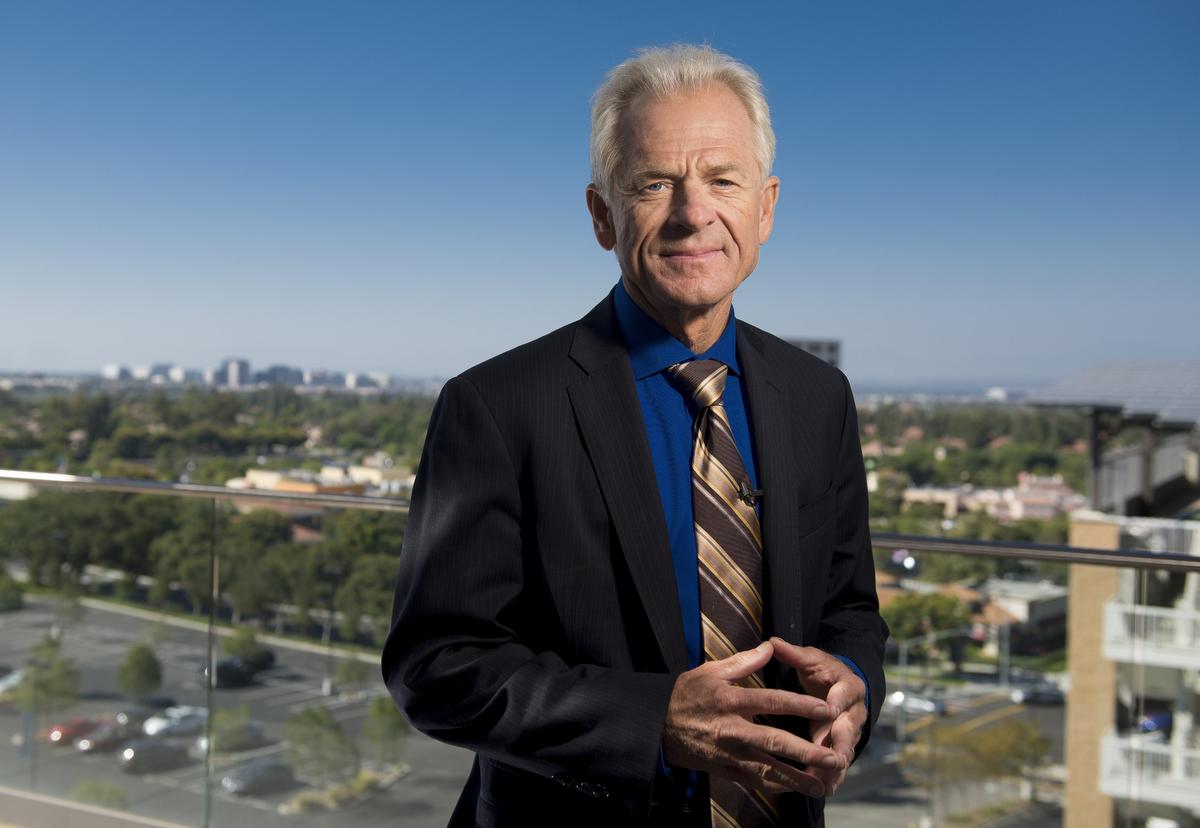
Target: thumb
[{"x": 740, "y": 665}]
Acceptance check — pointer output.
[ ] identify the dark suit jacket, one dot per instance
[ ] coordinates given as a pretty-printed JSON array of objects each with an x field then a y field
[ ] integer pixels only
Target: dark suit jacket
[{"x": 536, "y": 618}]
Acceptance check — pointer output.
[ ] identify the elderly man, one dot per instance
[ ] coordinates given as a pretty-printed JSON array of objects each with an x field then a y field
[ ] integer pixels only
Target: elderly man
[{"x": 637, "y": 577}]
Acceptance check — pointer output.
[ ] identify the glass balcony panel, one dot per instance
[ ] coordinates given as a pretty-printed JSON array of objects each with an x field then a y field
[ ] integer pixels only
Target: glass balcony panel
[
  {"x": 1018, "y": 689},
  {"x": 101, "y": 698}
]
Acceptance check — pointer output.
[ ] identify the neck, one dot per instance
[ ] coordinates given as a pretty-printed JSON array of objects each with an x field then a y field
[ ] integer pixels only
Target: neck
[{"x": 697, "y": 328}]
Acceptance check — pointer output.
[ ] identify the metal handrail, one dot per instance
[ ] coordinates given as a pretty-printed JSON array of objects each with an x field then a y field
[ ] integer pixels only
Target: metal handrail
[
  {"x": 155, "y": 487},
  {"x": 1133, "y": 558}
]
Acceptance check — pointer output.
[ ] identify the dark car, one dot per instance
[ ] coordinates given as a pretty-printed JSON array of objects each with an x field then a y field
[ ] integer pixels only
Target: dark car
[
  {"x": 259, "y": 660},
  {"x": 1036, "y": 692},
  {"x": 152, "y": 754},
  {"x": 104, "y": 738},
  {"x": 132, "y": 718},
  {"x": 231, "y": 672},
  {"x": 259, "y": 776}
]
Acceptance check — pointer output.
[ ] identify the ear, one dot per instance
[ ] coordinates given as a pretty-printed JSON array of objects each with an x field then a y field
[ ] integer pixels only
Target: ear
[
  {"x": 602, "y": 223},
  {"x": 766, "y": 217}
]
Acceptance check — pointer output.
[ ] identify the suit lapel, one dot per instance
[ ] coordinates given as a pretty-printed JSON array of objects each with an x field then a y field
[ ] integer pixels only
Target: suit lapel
[
  {"x": 775, "y": 459},
  {"x": 607, "y": 409}
]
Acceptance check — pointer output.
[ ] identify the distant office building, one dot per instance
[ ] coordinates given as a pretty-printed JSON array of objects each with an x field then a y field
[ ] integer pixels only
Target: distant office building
[
  {"x": 114, "y": 372},
  {"x": 355, "y": 380},
  {"x": 325, "y": 379},
  {"x": 280, "y": 375},
  {"x": 141, "y": 373},
  {"x": 232, "y": 373},
  {"x": 829, "y": 350},
  {"x": 239, "y": 373},
  {"x": 180, "y": 375}
]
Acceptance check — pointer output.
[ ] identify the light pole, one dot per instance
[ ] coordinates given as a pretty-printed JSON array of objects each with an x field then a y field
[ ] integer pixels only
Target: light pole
[{"x": 904, "y": 644}]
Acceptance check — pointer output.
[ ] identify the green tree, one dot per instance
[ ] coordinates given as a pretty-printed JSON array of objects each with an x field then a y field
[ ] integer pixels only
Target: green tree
[
  {"x": 243, "y": 644},
  {"x": 183, "y": 556},
  {"x": 385, "y": 729},
  {"x": 366, "y": 596},
  {"x": 51, "y": 681},
  {"x": 250, "y": 580},
  {"x": 12, "y": 594},
  {"x": 317, "y": 747},
  {"x": 229, "y": 728},
  {"x": 140, "y": 674},
  {"x": 917, "y": 614}
]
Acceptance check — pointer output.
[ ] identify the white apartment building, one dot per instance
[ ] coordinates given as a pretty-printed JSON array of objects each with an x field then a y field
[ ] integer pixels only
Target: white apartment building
[{"x": 1134, "y": 703}]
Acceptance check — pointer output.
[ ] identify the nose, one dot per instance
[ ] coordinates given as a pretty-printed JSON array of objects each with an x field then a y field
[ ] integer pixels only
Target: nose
[{"x": 690, "y": 208}]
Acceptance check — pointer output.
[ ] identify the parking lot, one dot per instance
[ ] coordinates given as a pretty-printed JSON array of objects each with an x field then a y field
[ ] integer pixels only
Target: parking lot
[{"x": 99, "y": 640}]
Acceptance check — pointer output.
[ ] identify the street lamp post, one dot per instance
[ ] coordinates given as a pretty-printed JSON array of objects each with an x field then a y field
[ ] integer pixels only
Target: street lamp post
[{"x": 904, "y": 644}]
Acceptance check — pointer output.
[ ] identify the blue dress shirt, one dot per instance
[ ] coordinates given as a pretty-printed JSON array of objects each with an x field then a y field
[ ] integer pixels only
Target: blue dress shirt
[{"x": 668, "y": 414}]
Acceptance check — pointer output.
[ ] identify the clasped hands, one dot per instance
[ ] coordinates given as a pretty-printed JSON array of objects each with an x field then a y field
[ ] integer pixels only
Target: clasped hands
[{"x": 710, "y": 723}]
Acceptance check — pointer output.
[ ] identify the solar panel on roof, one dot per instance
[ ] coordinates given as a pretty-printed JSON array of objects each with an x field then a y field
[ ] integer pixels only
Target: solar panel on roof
[{"x": 1167, "y": 391}]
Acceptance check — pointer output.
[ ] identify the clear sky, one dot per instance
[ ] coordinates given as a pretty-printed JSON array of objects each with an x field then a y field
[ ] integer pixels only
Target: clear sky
[{"x": 989, "y": 191}]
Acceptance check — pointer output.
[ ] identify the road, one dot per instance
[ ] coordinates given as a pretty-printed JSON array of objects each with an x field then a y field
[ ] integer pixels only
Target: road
[{"x": 876, "y": 795}]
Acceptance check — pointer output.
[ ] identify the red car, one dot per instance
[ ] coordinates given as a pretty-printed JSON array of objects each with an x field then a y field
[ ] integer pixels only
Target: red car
[{"x": 68, "y": 732}]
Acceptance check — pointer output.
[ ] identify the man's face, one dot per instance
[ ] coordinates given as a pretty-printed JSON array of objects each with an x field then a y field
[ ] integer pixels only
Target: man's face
[{"x": 690, "y": 206}]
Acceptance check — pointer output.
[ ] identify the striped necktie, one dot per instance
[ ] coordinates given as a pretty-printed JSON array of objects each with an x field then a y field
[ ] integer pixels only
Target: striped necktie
[{"x": 729, "y": 558}]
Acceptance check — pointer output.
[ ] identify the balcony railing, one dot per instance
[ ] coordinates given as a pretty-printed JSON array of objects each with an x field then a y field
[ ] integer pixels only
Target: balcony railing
[
  {"x": 957, "y": 700},
  {"x": 1159, "y": 636},
  {"x": 1133, "y": 767}
]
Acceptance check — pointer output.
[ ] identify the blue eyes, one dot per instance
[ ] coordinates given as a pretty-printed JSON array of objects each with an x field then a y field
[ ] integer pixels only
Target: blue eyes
[{"x": 661, "y": 186}]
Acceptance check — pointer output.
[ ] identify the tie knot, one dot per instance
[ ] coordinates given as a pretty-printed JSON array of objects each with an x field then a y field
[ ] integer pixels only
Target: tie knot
[{"x": 704, "y": 379}]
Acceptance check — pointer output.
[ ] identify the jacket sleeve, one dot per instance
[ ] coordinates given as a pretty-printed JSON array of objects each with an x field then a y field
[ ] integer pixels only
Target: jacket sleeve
[
  {"x": 851, "y": 625},
  {"x": 455, "y": 660}
]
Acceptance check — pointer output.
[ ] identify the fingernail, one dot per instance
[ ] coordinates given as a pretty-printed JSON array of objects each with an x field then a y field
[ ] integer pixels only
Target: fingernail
[
  {"x": 831, "y": 762},
  {"x": 821, "y": 711},
  {"x": 763, "y": 646}
]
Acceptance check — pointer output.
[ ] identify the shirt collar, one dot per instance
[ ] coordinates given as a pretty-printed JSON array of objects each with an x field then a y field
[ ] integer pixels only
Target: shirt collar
[{"x": 652, "y": 349}]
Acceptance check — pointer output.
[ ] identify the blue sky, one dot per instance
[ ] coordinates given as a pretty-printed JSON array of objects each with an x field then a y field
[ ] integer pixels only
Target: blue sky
[{"x": 982, "y": 191}]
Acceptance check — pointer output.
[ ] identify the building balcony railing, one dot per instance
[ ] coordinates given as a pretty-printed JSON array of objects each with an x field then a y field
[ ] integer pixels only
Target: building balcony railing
[
  {"x": 1135, "y": 768},
  {"x": 1157, "y": 636},
  {"x": 935, "y": 754}
]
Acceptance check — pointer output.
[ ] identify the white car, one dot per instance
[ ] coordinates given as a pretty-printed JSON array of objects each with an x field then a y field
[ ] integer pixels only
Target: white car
[
  {"x": 914, "y": 705},
  {"x": 170, "y": 720},
  {"x": 10, "y": 681}
]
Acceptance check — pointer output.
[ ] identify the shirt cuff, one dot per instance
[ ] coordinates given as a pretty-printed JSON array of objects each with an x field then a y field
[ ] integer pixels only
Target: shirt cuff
[{"x": 850, "y": 663}]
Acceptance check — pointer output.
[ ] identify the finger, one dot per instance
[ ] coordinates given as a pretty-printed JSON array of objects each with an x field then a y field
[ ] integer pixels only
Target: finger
[
  {"x": 755, "y": 768},
  {"x": 844, "y": 735},
  {"x": 740, "y": 665},
  {"x": 845, "y": 694},
  {"x": 831, "y": 779},
  {"x": 755, "y": 701},
  {"x": 820, "y": 735},
  {"x": 795, "y": 655},
  {"x": 782, "y": 744}
]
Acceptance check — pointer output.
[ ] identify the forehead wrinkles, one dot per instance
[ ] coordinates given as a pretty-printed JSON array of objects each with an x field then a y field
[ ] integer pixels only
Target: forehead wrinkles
[{"x": 706, "y": 129}]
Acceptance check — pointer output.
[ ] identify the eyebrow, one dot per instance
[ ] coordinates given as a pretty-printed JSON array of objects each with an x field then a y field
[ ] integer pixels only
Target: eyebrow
[
  {"x": 642, "y": 175},
  {"x": 721, "y": 169},
  {"x": 714, "y": 170}
]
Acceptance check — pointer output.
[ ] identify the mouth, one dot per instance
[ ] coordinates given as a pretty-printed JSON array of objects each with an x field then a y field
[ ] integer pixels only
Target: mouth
[{"x": 690, "y": 255}]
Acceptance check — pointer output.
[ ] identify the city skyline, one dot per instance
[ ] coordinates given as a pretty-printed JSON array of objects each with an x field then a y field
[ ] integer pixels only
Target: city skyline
[{"x": 1000, "y": 194}]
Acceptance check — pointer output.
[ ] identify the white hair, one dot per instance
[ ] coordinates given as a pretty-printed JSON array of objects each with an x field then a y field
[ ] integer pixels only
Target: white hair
[{"x": 664, "y": 72}]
